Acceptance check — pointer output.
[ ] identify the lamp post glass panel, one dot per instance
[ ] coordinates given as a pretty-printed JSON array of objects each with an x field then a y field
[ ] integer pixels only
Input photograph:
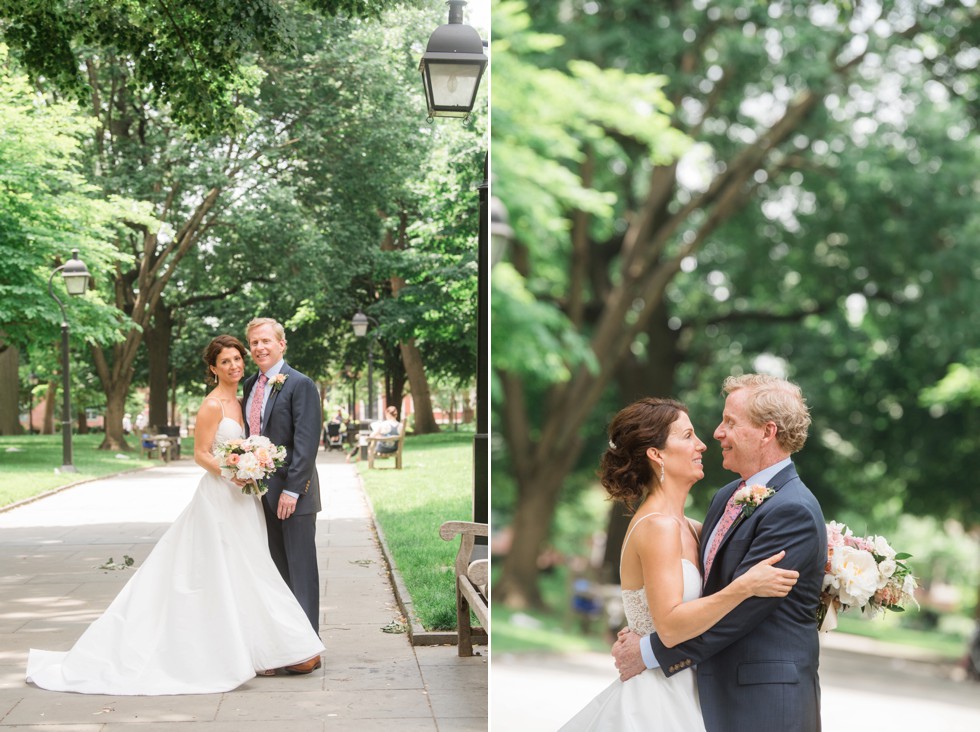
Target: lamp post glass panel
[
  {"x": 452, "y": 67},
  {"x": 360, "y": 324},
  {"x": 76, "y": 277}
]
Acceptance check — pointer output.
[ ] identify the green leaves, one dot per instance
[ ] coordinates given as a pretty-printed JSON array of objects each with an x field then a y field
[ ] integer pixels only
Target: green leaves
[
  {"x": 47, "y": 208},
  {"x": 192, "y": 57}
]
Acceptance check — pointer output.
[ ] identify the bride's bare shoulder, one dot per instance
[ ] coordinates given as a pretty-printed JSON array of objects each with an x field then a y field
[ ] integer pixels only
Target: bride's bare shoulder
[{"x": 210, "y": 407}]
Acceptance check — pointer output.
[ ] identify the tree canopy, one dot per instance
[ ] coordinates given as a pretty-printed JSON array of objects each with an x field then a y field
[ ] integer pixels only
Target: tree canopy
[
  {"x": 194, "y": 57},
  {"x": 323, "y": 191}
]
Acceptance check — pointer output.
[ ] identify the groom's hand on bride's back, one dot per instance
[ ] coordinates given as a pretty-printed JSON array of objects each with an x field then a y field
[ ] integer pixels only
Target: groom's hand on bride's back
[{"x": 626, "y": 651}]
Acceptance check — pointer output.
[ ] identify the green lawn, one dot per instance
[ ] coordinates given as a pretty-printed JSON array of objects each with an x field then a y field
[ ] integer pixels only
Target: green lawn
[
  {"x": 434, "y": 485},
  {"x": 28, "y": 463},
  {"x": 554, "y": 630},
  {"x": 951, "y": 646}
]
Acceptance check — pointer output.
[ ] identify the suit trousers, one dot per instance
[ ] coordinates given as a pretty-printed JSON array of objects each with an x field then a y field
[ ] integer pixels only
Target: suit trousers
[{"x": 289, "y": 545}]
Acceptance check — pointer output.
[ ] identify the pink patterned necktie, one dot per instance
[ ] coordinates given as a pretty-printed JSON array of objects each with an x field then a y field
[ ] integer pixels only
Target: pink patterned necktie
[
  {"x": 255, "y": 413},
  {"x": 732, "y": 511}
]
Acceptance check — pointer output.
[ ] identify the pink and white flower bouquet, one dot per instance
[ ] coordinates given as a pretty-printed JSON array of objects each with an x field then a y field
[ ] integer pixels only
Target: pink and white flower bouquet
[
  {"x": 252, "y": 459},
  {"x": 863, "y": 572}
]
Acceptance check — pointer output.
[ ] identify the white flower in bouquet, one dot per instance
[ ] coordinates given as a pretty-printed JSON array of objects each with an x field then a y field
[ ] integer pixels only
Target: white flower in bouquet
[
  {"x": 854, "y": 574},
  {"x": 883, "y": 548},
  {"x": 863, "y": 572},
  {"x": 249, "y": 467},
  {"x": 886, "y": 568},
  {"x": 260, "y": 441}
]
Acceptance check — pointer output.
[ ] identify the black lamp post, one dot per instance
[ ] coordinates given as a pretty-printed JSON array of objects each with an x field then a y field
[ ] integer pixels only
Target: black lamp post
[
  {"x": 76, "y": 277},
  {"x": 451, "y": 68},
  {"x": 360, "y": 324}
]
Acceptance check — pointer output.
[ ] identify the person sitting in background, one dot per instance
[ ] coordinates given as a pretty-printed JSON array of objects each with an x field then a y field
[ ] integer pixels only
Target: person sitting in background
[{"x": 389, "y": 426}]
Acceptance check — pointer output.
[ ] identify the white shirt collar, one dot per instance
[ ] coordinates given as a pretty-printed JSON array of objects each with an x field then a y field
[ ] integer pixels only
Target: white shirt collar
[
  {"x": 275, "y": 368},
  {"x": 766, "y": 474}
]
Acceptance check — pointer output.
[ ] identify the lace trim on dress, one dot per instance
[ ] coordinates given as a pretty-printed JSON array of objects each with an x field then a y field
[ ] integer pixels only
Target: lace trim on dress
[{"x": 637, "y": 611}]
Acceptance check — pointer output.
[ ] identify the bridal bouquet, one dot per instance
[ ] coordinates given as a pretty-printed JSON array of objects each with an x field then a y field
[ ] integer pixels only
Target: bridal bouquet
[
  {"x": 253, "y": 459},
  {"x": 863, "y": 572}
]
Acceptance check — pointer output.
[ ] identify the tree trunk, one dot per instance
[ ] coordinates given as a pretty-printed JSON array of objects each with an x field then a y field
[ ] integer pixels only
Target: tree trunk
[
  {"x": 50, "y": 405},
  {"x": 115, "y": 383},
  {"x": 155, "y": 269},
  {"x": 394, "y": 380},
  {"x": 425, "y": 421},
  {"x": 538, "y": 494},
  {"x": 82, "y": 421},
  {"x": 158, "y": 338},
  {"x": 9, "y": 392},
  {"x": 115, "y": 407}
]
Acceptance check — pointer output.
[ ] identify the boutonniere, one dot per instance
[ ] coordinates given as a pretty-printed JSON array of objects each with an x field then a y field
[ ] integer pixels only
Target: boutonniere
[
  {"x": 751, "y": 497},
  {"x": 277, "y": 381}
]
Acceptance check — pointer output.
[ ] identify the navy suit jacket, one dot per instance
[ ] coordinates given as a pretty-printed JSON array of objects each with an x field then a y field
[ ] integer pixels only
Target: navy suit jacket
[
  {"x": 757, "y": 667},
  {"x": 293, "y": 419}
]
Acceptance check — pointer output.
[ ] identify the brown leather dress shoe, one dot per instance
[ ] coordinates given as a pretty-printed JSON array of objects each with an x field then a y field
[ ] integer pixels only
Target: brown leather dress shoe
[{"x": 306, "y": 667}]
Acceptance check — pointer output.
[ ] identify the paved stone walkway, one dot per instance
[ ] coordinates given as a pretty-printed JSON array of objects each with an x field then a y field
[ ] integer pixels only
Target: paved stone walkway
[
  {"x": 864, "y": 686},
  {"x": 51, "y": 588}
]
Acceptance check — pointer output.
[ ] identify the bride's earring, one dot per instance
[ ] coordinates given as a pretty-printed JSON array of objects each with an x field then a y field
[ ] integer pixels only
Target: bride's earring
[{"x": 661, "y": 473}]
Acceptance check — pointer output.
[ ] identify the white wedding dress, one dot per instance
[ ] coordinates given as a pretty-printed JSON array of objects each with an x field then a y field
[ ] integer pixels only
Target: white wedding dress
[
  {"x": 207, "y": 609},
  {"x": 649, "y": 702}
]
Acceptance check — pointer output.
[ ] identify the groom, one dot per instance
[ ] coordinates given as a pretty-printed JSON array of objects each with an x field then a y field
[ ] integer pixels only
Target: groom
[
  {"x": 757, "y": 668},
  {"x": 284, "y": 405}
]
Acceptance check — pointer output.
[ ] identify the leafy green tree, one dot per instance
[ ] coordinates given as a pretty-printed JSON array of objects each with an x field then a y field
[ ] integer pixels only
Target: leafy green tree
[
  {"x": 235, "y": 207},
  {"x": 313, "y": 242},
  {"x": 650, "y": 267},
  {"x": 192, "y": 57},
  {"x": 47, "y": 208}
]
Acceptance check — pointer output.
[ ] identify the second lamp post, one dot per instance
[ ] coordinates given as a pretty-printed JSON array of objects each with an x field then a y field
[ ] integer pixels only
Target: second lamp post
[
  {"x": 76, "y": 277},
  {"x": 360, "y": 324}
]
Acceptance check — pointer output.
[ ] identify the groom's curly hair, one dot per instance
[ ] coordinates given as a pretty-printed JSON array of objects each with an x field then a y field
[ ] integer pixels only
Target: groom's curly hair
[
  {"x": 625, "y": 471},
  {"x": 776, "y": 400}
]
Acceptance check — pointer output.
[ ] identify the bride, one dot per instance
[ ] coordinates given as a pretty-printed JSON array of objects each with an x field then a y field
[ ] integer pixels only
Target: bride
[
  {"x": 208, "y": 609},
  {"x": 653, "y": 460}
]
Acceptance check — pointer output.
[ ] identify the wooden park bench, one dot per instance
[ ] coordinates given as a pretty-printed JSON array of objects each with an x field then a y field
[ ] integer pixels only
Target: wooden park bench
[
  {"x": 374, "y": 454},
  {"x": 164, "y": 441},
  {"x": 472, "y": 581}
]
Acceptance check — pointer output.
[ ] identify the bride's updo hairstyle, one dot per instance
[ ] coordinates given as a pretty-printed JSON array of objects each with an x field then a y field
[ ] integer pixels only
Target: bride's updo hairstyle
[
  {"x": 214, "y": 348},
  {"x": 625, "y": 470}
]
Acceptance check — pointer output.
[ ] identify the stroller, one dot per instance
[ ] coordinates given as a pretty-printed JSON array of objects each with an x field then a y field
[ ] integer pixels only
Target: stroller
[{"x": 334, "y": 439}]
